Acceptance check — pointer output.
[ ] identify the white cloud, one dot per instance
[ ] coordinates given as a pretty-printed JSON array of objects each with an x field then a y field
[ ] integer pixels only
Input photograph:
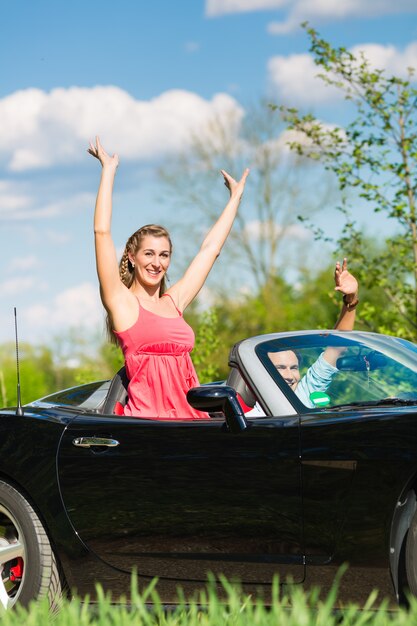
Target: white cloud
[
  {"x": 294, "y": 136},
  {"x": 11, "y": 199},
  {"x": 319, "y": 11},
  {"x": 23, "y": 263},
  {"x": 30, "y": 210},
  {"x": 41, "y": 129},
  {"x": 295, "y": 78},
  {"x": 31, "y": 213},
  {"x": 17, "y": 285},
  {"x": 261, "y": 230},
  {"x": 214, "y": 8},
  {"x": 67, "y": 206},
  {"x": 393, "y": 61},
  {"x": 77, "y": 306},
  {"x": 191, "y": 46},
  {"x": 298, "y": 11},
  {"x": 57, "y": 237}
]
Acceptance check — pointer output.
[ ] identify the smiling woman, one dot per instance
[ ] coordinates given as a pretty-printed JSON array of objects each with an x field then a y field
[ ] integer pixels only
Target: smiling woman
[{"x": 146, "y": 318}]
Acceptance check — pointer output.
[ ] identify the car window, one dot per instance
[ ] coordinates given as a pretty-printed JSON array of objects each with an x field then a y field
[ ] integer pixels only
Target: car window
[
  {"x": 370, "y": 370},
  {"x": 88, "y": 397}
]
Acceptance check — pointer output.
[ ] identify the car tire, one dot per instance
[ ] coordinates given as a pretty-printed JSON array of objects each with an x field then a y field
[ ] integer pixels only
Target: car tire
[
  {"x": 28, "y": 567},
  {"x": 411, "y": 556}
]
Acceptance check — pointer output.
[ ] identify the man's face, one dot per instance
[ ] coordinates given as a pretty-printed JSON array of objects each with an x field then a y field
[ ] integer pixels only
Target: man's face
[{"x": 286, "y": 363}]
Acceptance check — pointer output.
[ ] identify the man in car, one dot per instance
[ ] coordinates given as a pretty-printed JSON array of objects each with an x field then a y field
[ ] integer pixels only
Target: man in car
[{"x": 319, "y": 375}]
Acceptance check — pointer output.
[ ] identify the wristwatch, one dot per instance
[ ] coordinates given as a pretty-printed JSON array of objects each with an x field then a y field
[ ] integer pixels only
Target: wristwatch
[{"x": 350, "y": 305}]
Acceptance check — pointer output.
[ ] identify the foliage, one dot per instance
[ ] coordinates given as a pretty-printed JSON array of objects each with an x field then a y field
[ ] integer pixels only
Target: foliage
[
  {"x": 266, "y": 223},
  {"x": 279, "y": 306},
  {"x": 218, "y": 604},
  {"x": 376, "y": 155},
  {"x": 108, "y": 361},
  {"x": 37, "y": 373},
  {"x": 206, "y": 347},
  {"x": 112, "y": 356},
  {"x": 44, "y": 370},
  {"x": 384, "y": 271}
]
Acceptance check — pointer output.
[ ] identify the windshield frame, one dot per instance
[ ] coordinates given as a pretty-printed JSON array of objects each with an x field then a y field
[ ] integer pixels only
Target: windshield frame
[{"x": 400, "y": 350}]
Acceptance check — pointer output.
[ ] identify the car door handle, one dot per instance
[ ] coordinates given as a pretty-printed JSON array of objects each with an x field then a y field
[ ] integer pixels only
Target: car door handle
[{"x": 88, "y": 442}]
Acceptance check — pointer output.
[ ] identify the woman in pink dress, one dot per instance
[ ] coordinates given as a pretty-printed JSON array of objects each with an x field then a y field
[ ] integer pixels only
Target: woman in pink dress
[{"x": 145, "y": 317}]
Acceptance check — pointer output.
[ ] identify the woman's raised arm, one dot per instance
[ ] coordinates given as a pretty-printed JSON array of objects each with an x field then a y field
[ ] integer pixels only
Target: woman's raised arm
[
  {"x": 185, "y": 290},
  {"x": 106, "y": 258}
]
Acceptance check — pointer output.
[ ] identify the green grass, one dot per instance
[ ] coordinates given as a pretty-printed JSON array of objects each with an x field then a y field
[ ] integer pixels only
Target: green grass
[{"x": 296, "y": 608}]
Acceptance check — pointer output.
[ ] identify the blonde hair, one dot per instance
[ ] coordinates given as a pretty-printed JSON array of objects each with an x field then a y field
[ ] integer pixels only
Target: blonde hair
[{"x": 126, "y": 268}]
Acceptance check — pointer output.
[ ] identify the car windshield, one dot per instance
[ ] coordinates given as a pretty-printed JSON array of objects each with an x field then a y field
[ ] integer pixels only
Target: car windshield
[
  {"x": 87, "y": 397},
  {"x": 339, "y": 370}
]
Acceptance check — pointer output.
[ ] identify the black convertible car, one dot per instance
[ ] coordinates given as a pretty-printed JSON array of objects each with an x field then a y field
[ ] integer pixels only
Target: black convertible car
[{"x": 270, "y": 484}]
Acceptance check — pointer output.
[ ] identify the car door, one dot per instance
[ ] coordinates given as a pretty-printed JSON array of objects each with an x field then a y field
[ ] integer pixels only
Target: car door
[
  {"x": 329, "y": 451},
  {"x": 180, "y": 499},
  {"x": 355, "y": 464}
]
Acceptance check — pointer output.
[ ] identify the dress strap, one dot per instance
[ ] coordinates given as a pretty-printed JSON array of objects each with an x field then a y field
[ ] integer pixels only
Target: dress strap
[{"x": 172, "y": 300}]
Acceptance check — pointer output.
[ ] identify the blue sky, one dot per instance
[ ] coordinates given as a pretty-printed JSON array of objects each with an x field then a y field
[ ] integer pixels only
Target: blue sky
[{"x": 142, "y": 75}]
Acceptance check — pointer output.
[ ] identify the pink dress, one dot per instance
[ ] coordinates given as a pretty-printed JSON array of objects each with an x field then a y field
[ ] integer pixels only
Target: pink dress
[{"x": 159, "y": 367}]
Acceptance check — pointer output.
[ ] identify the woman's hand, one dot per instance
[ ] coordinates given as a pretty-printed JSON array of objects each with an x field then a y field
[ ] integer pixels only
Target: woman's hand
[
  {"x": 235, "y": 188},
  {"x": 344, "y": 280},
  {"x": 105, "y": 159}
]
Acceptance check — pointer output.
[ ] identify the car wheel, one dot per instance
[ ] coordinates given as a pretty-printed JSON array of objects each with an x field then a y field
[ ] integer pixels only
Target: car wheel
[
  {"x": 411, "y": 556},
  {"x": 28, "y": 568}
]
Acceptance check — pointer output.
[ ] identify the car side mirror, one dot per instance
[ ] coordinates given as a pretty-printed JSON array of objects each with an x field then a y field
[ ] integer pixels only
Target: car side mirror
[{"x": 215, "y": 398}]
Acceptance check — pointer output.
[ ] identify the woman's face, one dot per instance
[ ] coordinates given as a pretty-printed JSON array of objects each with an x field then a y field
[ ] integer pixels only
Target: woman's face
[{"x": 152, "y": 260}]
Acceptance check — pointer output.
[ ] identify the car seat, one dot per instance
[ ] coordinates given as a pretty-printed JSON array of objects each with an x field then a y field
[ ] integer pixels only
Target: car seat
[
  {"x": 245, "y": 395},
  {"x": 117, "y": 394}
]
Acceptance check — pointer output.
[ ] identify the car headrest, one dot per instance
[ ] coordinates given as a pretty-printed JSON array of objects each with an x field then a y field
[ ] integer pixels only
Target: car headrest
[
  {"x": 117, "y": 394},
  {"x": 236, "y": 381}
]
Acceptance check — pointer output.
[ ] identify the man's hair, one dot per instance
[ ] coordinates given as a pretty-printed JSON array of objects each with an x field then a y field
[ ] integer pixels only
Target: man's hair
[{"x": 296, "y": 352}]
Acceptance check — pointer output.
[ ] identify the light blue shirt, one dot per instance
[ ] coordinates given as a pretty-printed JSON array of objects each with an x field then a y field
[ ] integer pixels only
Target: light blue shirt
[{"x": 317, "y": 378}]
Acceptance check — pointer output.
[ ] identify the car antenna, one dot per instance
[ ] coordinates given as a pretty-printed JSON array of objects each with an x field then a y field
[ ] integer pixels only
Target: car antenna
[{"x": 19, "y": 409}]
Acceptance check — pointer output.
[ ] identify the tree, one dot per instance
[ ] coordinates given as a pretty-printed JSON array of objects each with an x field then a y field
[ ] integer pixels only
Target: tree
[
  {"x": 279, "y": 306},
  {"x": 274, "y": 195},
  {"x": 206, "y": 347},
  {"x": 37, "y": 373},
  {"x": 74, "y": 360},
  {"x": 376, "y": 155}
]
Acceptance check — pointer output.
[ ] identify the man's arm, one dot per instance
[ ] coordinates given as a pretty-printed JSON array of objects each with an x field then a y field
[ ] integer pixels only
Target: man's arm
[{"x": 347, "y": 284}]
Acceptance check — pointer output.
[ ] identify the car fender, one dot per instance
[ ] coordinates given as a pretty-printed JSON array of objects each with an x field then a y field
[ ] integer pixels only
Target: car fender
[
  {"x": 403, "y": 514},
  {"x": 34, "y": 475}
]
